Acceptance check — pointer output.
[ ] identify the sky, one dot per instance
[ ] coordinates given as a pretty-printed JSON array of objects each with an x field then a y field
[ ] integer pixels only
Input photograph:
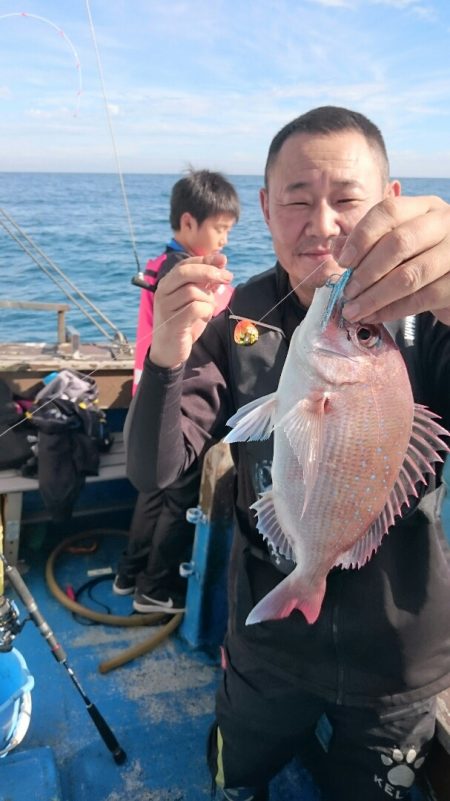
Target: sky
[{"x": 152, "y": 86}]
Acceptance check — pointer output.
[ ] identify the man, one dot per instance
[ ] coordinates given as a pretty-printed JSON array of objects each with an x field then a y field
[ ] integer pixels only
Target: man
[{"x": 370, "y": 667}]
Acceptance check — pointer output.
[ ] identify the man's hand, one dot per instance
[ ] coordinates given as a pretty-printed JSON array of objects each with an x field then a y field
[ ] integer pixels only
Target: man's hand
[
  {"x": 401, "y": 254},
  {"x": 184, "y": 304}
]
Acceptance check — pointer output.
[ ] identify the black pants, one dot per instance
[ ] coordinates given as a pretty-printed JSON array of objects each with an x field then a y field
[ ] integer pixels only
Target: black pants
[
  {"x": 353, "y": 753},
  {"x": 160, "y": 538}
]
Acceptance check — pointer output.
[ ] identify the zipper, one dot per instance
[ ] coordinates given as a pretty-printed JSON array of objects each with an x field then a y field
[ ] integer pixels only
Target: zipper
[{"x": 335, "y": 633}]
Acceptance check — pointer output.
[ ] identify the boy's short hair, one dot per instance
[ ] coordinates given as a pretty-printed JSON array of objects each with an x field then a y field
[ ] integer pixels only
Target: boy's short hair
[
  {"x": 328, "y": 120},
  {"x": 203, "y": 194}
]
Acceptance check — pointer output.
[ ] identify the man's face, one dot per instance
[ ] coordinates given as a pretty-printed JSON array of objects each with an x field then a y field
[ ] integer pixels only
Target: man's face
[{"x": 319, "y": 187}]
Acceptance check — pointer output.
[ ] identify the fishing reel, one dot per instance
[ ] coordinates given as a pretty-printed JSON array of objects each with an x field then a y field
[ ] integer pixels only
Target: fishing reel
[
  {"x": 9, "y": 623},
  {"x": 139, "y": 280}
]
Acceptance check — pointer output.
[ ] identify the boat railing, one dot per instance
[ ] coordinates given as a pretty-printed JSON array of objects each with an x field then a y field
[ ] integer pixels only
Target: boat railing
[
  {"x": 76, "y": 296},
  {"x": 29, "y": 305},
  {"x": 68, "y": 337}
]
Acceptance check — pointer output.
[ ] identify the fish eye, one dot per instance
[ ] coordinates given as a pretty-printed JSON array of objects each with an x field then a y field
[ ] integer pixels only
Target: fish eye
[{"x": 368, "y": 336}]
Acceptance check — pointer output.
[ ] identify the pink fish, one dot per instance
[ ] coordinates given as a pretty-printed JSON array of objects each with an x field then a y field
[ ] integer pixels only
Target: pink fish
[{"x": 350, "y": 446}]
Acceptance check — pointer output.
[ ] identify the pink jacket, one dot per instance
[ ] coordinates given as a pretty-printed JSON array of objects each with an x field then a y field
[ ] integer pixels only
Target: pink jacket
[{"x": 144, "y": 331}]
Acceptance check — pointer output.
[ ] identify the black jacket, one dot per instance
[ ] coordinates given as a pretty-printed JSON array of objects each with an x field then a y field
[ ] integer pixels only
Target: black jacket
[{"x": 383, "y": 634}]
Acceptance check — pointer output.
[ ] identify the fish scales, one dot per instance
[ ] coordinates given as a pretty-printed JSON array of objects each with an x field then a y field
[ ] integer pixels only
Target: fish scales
[
  {"x": 359, "y": 465},
  {"x": 350, "y": 447}
]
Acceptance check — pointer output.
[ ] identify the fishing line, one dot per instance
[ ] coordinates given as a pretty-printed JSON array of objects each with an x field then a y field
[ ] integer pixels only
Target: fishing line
[
  {"x": 336, "y": 244},
  {"x": 294, "y": 289},
  {"x": 111, "y": 130},
  {"x": 124, "y": 194},
  {"x": 66, "y": 39},
  {"x": 92, "y": 373},
  {"x": 57, "y": 270},
  {"x": 142, "y": 339},
  {"x": 125, "y": 199}
]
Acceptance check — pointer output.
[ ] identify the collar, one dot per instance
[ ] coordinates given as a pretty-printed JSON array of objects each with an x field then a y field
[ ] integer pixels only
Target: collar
[{"x": 174, "y": 245}]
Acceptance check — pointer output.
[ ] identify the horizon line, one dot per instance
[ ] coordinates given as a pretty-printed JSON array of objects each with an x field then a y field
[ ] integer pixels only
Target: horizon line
[{"x": 182, "y": 172}]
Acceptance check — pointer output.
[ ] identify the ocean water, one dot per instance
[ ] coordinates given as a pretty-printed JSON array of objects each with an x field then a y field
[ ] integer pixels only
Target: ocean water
[{"x": 79, "y": 221}]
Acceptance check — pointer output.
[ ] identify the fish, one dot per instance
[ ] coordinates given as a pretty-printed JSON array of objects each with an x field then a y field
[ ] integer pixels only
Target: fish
[{"x": 350, "y": 450}]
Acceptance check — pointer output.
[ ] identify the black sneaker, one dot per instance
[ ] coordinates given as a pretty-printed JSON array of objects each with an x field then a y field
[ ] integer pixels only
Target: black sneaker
[
  {"x": 143, "y": 603},
  {"x": 123, "y": 585}
]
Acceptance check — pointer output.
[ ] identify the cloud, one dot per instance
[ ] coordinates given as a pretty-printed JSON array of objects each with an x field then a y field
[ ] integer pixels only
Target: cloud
[
  {"x": 53, "y": 114},
  {"x": 420, "y": 8},
  {"x": 335, "y": 3},
  {"x": 214, "y": 82}
]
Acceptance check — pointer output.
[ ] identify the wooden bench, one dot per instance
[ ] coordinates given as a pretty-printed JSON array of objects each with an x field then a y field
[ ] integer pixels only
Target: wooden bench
[{"x": 13, "y": 485}]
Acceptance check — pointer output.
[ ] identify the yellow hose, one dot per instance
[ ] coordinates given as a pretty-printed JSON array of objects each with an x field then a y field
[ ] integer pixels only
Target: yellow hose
[
  {"x": 143, "y": 647},
  {"x": 102, "y": 617}
]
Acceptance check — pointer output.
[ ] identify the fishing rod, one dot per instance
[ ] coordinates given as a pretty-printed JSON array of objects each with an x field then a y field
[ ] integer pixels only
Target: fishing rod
[
  {"x": 51, "y": 270},
  {"x": 10, "y": 626},
  {"x": 139, "y": 278}
]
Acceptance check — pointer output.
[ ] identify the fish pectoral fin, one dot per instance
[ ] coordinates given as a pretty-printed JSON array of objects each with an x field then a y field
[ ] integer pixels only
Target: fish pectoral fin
[
  {"x": 269, "y": 526},
  {"x": 292, "y": 593},
  {"x": 254, "y": 421},
  {"x": 304, "y": 426}
]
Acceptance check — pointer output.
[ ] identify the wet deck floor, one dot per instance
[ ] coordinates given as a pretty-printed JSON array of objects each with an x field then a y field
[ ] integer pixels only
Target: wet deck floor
[{"x": 159, "y": 706}]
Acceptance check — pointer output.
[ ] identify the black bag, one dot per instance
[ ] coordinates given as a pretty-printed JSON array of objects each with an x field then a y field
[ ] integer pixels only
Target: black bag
[
  {"x": 70, "y": 439},
  {"x": 17, "y": 434}
]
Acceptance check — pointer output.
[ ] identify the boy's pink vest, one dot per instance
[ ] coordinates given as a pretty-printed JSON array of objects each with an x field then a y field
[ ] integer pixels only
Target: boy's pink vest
[{"x": 144, "y": 331}]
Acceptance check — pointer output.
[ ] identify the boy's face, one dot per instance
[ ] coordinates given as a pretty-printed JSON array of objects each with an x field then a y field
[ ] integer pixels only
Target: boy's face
[{"x": 211, "y": 235}]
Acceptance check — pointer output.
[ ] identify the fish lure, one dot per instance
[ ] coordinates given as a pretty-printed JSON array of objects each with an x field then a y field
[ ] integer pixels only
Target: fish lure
[
  {"x": 337, "y": 290},
  {"x": 246, "y": 333}
]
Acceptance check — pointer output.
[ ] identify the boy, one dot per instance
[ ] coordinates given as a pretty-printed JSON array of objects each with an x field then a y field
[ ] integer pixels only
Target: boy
[{"x": 204, "y": 206}]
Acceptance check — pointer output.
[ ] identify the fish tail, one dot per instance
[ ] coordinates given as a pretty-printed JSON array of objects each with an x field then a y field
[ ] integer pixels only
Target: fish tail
[{"x": 292, "y": 593}]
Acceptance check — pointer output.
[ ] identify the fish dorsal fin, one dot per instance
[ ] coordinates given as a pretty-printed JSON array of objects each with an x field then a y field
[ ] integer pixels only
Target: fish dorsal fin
[
  {"x": 304, "y": 427},
  {"x": 422, "y": 452},
  {"x": 254, "y": 421},
  {"x": 269, "y": 526}
]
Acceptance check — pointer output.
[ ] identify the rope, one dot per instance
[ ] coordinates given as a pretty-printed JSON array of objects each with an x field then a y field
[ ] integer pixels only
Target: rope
[{"x": 80, "y": 293}]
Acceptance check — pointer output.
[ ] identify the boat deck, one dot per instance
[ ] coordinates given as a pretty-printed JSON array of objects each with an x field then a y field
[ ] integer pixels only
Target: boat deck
[{"x": 159, "y": 706}]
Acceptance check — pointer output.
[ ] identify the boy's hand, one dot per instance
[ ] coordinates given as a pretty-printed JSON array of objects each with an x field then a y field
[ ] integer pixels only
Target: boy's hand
[
  {"x": 184, "y": 304},
  {"x": 401, "y": 254}
]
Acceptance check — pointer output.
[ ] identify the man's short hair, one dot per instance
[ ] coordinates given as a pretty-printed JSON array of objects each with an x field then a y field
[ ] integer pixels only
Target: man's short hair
[
  {"x": 203, "y": 194},
  {"x": 328, "y": 120}
]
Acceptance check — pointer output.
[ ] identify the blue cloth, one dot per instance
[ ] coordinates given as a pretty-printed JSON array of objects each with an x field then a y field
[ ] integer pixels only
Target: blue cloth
[
  {"x": 445, "y": 509},
  {"x": 176, "y": 245}
]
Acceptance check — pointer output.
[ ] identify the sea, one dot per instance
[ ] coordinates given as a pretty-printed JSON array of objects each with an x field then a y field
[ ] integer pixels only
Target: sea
[{"x": 98, "y": 232}]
